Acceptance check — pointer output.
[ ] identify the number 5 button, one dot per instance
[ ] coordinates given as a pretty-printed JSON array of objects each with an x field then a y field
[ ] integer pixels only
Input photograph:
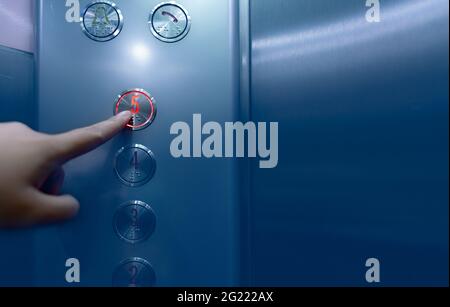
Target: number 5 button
[{"x": 142, "y": 106}]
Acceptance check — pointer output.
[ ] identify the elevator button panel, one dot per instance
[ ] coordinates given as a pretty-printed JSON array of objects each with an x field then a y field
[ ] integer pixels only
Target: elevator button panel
[
  {"x": 114, "y": 56},
  {"x": 102, "y": 21},
  {"x": 134, "y": 221},
  {"x": 135, "y": 165},
  {"x": 142, "y": 106},
  {"x": 134, "y": 272},
  {"x": 169, "y": 22}
]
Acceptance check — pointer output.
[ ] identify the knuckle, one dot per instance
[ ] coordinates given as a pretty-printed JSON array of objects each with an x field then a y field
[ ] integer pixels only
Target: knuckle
[{"x": 53, "y": 148}]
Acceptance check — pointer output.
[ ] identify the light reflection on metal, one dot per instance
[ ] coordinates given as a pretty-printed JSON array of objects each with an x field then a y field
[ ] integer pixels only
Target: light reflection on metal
[{"x": 404, "y": 17}]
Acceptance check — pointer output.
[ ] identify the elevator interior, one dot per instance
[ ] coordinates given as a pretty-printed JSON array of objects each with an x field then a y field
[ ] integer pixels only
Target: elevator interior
[{"x": 363, "y": 158}]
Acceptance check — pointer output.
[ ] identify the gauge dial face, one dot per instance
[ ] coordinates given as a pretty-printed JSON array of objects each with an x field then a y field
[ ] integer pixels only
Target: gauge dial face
[
  {"x": 135, "y": 165},
  {"x": 134, "y": 272},
  {"x": 169, "y": 22},
  {"x": 134, "y": 222},
  {"x": 140, "y": 104},
  {"x": 102, "y": 21}
]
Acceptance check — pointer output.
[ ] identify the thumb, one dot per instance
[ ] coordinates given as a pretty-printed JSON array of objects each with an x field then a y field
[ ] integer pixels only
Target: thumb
[{"x": 49, "y": 208}]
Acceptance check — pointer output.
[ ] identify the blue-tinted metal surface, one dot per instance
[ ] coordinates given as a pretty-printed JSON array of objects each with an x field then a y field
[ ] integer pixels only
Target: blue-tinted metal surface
[
  {"x": 16, "y": 86},
  {"x": 194, "y": 200},
  {"x": 363, "y": 171},
  {"x": 16, "y": 104}
]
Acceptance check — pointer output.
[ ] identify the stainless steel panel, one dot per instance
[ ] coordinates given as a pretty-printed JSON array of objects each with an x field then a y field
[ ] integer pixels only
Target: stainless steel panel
[
  {"x": 363, "y": 170},
  {"x": 196, "y": 239}
]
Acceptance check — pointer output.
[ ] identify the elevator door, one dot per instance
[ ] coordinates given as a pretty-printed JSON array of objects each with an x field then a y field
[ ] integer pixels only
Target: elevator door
[{"x": 146, "y": 217}]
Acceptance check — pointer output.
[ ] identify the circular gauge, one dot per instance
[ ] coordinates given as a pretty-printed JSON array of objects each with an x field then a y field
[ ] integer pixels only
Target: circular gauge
[
  {"x": 141, "y": 105},
  {"x": 134, "y": 272},
  {"x": 134, "y": 221},
  {"x": 135, "y": 165},
  {"x": 169, "y": 22},
  {"x": 102, "y": 21}
]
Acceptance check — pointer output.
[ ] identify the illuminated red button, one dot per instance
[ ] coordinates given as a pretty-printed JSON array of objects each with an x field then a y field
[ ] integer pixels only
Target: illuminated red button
[{"x": 142, "y": 106}]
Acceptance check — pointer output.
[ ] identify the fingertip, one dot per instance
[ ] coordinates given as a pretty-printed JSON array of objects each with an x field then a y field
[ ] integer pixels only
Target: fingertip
[{"x": 124, "y": 116}]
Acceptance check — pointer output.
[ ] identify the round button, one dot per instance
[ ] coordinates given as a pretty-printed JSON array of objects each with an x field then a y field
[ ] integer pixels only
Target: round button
[
  {"x": 135, "y": 165},
  {"x": 169, "y": 22},
  {"x": 134, "y": 272},
  {"x": 102, "y": 21},
  {"x": 134, "y": 221},
  {"x": 141, "y": 105}
]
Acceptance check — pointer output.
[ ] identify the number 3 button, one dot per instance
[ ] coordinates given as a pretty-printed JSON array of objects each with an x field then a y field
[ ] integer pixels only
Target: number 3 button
[{"x": 142, "y": 106}]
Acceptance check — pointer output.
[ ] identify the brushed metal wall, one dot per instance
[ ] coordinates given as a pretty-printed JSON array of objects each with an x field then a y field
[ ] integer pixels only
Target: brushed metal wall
[
  {"x": 363, "y": 115},
  {"x": 17, "y": 30},
  {"x": 17, "y": 103}
]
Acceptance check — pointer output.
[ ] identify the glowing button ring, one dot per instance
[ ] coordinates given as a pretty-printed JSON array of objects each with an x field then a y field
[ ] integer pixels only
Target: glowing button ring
[{"x": 142, "y": 106}]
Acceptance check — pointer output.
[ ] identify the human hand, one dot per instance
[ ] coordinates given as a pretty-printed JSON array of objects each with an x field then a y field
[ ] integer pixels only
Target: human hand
[{"x": 31, "y": 173}]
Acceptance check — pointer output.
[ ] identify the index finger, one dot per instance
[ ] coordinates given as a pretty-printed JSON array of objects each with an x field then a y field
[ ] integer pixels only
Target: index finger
[{"x": 77, "y": 142}]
